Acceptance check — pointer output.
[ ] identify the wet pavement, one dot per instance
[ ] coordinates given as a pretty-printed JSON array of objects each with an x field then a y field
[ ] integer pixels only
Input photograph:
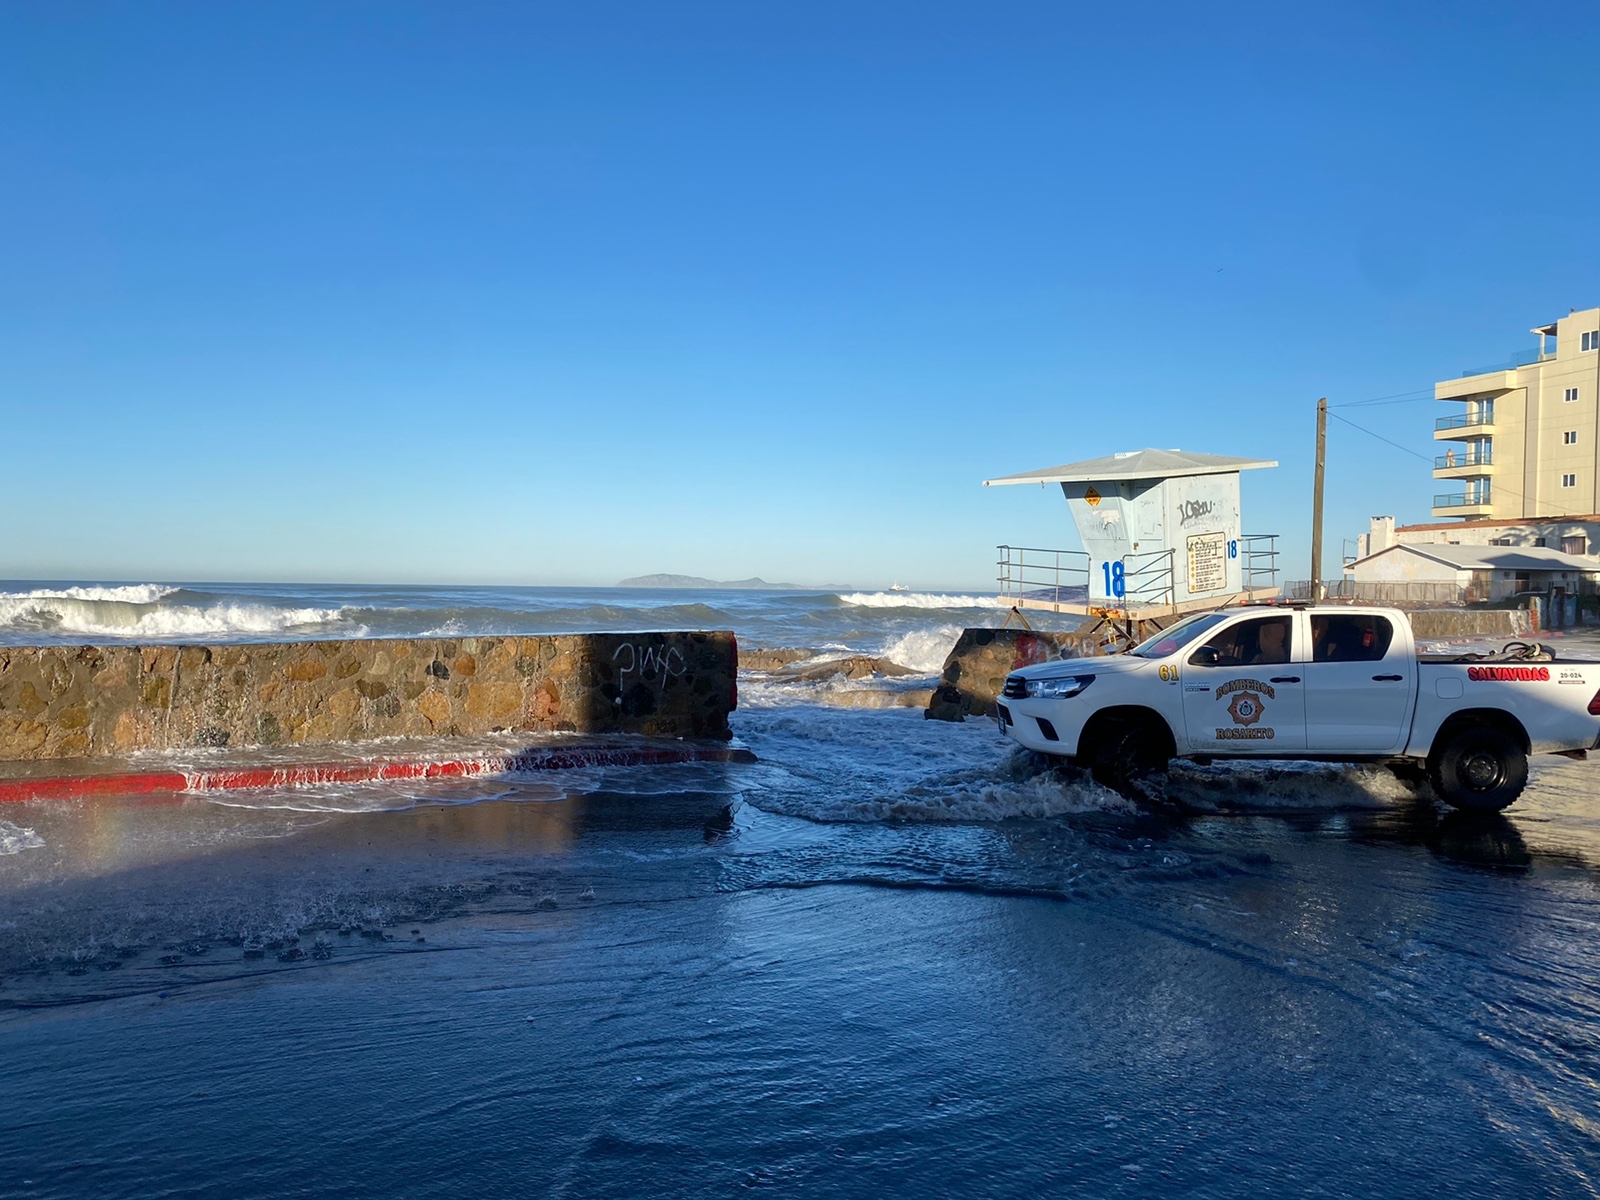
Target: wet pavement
[{"x": 682, "y": 982}]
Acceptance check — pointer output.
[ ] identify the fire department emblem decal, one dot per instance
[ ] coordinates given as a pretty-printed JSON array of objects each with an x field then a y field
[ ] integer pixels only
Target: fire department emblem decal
[
  {"x": 1245, "y": 709},
  {"x": 1247, "y": 702}
]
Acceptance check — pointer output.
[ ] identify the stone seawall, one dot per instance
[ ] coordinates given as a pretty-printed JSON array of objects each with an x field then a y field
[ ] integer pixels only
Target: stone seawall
[
  {"x": 82, "y": 701},
  {"x": 978, "y": 664},
  {"x": 1444, "y": 624}
]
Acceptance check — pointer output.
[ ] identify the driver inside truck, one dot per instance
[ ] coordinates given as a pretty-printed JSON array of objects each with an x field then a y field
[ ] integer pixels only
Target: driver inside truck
[{"x": 1273, "y": 643}]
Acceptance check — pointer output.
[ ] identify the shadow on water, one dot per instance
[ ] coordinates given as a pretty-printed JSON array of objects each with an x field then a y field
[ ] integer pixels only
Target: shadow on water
[
  {"x": 1513, "y": 843},
  {"x": 140, "y": 898},
  {"x": 1489, "y": 840}
]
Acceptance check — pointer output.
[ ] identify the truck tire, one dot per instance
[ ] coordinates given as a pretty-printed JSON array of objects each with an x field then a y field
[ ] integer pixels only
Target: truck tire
[
  {"x": 1480, "y": 768},
  {"x": 1130, "y": 760}
]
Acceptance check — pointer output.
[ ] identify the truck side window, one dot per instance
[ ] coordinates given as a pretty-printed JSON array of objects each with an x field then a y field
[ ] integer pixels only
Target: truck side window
[
  {"x": 1353, "y": 637},
  {"x": 1263, "y": 642}
]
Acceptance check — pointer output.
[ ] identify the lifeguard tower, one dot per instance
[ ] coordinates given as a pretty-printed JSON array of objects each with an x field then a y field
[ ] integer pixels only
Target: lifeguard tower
[{"x": 1161, "y": 537}]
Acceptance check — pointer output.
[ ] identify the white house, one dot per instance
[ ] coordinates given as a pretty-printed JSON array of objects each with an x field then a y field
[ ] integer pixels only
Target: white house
[{"x": 1483, "y": 572}]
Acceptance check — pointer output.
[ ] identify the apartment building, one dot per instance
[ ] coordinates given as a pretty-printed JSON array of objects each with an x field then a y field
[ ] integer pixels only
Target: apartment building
[{"x": 1524, "y": 443}]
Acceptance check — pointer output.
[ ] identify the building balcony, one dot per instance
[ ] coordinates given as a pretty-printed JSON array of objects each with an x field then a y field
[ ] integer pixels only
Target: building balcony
[
  {"x": 1463, "y": 506},
  {"x": 1462, "y": 426},
  {"x": 1468, "y": 465},
  {"x": 1476, "y": 383},
  {"x": 1509, "y": 364}
]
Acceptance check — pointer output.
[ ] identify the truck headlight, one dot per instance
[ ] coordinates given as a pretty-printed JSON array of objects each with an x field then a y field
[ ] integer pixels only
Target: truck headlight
[{"x": 1058, "y": 689}]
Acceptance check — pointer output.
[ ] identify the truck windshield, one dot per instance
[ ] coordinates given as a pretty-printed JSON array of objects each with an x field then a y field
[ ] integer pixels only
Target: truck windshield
[{"x": 1176, "y": 637}]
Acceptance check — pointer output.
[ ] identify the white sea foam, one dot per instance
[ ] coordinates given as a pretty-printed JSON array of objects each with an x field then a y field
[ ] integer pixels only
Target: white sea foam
[
  {"x": 977, "y": 795},
  {"x": 14, "y": 839},
  {"x": 121, "y": 617},
  {"x": 129, "y": 593},
  {"x": 923, "y": 649},
  {"x": 827, "y": 762},
  {"x": 376, "y": 795},
  {"x": 1273, "y": 785},
  {"x": 917, "y": 600},
  {"x": 450, "y": 627}
]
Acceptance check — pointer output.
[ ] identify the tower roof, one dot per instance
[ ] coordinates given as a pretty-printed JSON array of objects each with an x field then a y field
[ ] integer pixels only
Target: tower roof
[{"x": 1136, "y": 464}]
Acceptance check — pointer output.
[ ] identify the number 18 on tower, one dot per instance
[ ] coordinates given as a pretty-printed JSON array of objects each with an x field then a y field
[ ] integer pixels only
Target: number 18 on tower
[{"x": 1108, "y": 580}]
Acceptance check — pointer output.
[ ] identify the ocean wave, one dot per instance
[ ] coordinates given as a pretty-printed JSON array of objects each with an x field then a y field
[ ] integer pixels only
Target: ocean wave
[
  {"x": 923, "y": 649},
  {"x": 129, "y": 593},
  {"x": 489, "y": 622},
  {"x": 916, "y": 600},
  {"x": 114, "y": 617},
  {"x": 14, "y": 839}
]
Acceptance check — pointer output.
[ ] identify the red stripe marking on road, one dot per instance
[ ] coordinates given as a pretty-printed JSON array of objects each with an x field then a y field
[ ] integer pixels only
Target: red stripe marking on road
[{"x": 144, "y": 783}]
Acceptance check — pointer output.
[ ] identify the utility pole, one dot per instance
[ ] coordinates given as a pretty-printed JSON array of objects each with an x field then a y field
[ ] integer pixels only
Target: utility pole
[{"x": 1316, "y": 501}]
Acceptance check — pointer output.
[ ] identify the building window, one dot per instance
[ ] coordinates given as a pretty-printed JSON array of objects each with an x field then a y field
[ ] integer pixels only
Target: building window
[
  {"x": 1575, "y": 545},
  {"x": 1540, "y": 542},
  {"x": 1569, "y": 481},
  {"x": 1572, "y": 394},
  {"x": 1500, "y": 542},
  {"x": 1591, "y": 340},
  {"x": 1569, "y": 438}
]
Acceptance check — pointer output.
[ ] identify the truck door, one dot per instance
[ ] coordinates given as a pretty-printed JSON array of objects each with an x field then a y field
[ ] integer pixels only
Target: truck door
[
  {"x": 1359, "y": 684},
  {"x": 1243, "y": 691}
]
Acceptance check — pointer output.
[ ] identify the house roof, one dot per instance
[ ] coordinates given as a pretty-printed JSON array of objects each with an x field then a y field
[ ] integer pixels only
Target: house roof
[
  {"x": 1502, "y": 523},
  {"x": 1493, "y": 558},
  {"x": 1136, "y": 464}
]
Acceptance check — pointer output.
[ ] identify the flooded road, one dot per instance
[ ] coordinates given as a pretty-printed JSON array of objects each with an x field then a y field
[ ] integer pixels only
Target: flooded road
[{"x": 890, "y": 957}]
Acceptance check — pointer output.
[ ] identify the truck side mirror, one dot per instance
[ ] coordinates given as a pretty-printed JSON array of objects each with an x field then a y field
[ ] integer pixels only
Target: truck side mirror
[{"x": 1206, "y": 656}]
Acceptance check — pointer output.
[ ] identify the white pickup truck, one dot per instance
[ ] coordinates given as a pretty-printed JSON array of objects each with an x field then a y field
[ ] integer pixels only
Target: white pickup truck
[{"x": 1339, "y": 684}]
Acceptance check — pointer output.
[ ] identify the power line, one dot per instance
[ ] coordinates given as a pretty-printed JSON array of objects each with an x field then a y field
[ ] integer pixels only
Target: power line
[
  {"x": 1416, "y": 396},
  {"x": 1381, "y": 438},
  {"x": 1501, "y": 487}
]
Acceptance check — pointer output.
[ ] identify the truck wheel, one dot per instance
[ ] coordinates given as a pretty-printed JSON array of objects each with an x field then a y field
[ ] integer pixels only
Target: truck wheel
[
  {"x": 1130, "y": 760},
  {"x": 1480, "y": 768}
]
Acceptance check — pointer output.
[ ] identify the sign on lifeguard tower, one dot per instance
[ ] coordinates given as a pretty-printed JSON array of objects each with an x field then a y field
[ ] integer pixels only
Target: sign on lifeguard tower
[{"x": 1160, "y": 530}]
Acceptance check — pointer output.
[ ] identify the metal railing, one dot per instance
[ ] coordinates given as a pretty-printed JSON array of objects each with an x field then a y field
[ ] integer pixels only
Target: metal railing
[
  {"x": 1035, "y": 575},
  {"x": 1464, "y": 421},
  {"x": 1150, "y": 579},
  {"x": 1522, "y": 358},
  {"x": 1466, "y": 501},
  {"x": 1039, "y": 576},
  {"x": 1471, "y": 458},
  {"x": 1258, "y": 561}
]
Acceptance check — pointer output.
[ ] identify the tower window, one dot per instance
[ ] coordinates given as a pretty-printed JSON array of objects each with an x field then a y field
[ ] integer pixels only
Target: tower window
[
  {"x": 1569, "y": 438},
  {"x": 1591, "y": 340},
  {"x": 1569, "y": 481},
  {"x": 1572, "y": 394}
]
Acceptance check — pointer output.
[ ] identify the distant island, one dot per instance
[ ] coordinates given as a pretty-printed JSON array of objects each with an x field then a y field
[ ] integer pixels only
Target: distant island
[{"x": 695, "y": 581}]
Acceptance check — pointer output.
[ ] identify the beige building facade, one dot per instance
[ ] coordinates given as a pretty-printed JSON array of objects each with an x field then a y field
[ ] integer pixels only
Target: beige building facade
[
  {"x": 1577, "y": 535},
  {"x": 1524, "y": 443}
]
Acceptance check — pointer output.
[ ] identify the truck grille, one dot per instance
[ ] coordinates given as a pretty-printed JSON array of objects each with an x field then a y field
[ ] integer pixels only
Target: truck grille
[{"x": 1016, "y": 688}]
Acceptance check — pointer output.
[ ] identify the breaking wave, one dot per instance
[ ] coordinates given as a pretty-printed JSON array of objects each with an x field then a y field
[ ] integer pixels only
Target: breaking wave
[
  {"x": 141, "y": 611},
  {"x": 130, "y": 593},
  {"x": 916, "y": 600},
  {"x": 923, "y": 650}
]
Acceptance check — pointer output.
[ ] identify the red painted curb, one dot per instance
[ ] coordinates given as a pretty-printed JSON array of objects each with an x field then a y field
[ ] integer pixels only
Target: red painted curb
[{"x": 144, "y": 783}]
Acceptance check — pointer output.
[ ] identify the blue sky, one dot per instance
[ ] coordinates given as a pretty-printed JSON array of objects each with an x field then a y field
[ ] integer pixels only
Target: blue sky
[{"x": 557, "y": 294}]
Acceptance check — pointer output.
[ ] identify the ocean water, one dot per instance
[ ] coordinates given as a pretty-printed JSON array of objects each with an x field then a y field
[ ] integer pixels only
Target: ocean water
[
  {"x": 912, "y": 627},
  {"x": 891, "y": 956}
]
